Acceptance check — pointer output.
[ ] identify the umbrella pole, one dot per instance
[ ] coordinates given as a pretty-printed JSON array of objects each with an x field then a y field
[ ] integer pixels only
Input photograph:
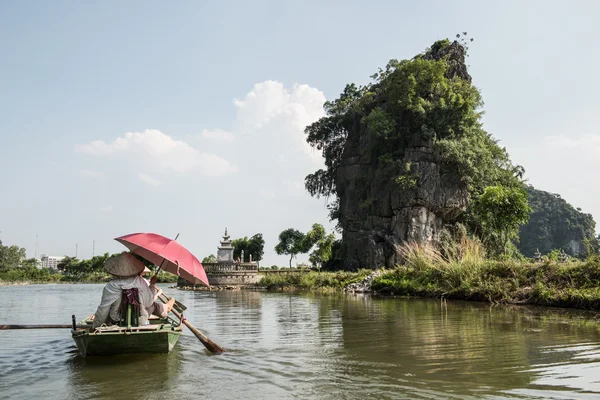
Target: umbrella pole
[
  {"x": 159, "y": 268},
  {"x": 163, "y": 261}
]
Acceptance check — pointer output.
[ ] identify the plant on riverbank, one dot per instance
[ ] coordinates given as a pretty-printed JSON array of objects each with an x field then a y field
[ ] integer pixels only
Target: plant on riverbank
[
  {"x": 30, "y": 274},
  {"x": 429, "y": 273},
  {"x": 312, "y": 280},
  {"x": 46, "y": 275}
]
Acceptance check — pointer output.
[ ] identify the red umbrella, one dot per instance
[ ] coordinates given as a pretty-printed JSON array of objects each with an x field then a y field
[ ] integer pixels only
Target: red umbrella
[{"x": 167, "y": 254}]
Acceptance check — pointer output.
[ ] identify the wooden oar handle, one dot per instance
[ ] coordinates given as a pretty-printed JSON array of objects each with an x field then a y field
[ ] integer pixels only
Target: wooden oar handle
[{"x": 49, "y": 326}]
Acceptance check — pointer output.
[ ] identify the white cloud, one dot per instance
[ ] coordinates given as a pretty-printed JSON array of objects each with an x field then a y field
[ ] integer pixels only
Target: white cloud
[
  {"x": 265, "y": 140},
  {"x": 272, "y": 107},
  {"x": 161, "y": 150},
  {"x": 149, "y": 180},
  {"x": 218, "y": 135}
]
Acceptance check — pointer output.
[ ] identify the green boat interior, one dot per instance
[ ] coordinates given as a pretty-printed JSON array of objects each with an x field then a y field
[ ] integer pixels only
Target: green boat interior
[{"x": 130, "y": 319}]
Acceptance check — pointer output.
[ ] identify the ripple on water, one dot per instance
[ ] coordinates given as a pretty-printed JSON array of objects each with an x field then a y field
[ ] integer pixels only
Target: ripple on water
[{"x": 290, "y": 346}]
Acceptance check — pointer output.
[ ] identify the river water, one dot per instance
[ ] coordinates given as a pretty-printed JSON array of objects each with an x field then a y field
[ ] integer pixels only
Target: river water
[{"x": 308, "y": 346}]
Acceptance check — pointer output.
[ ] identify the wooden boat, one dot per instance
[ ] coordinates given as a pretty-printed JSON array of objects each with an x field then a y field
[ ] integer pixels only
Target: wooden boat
[{"x": 159, "y": 336}]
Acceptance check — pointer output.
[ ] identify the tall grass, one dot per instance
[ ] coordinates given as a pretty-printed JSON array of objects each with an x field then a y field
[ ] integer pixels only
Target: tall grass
[
  {"x": 456, "y": 263},
  {"x": 461, "y": 270}
]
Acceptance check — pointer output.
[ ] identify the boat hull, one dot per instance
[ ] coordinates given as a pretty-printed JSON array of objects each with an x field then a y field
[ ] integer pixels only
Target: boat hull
[{"x": 107, "y": 342}]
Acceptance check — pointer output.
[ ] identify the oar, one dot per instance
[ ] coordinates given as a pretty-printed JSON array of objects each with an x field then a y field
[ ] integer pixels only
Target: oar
[
  {"x": 209, "y": 344},
  {"x": 177, "y": 306},
  {"x": 54, "y": 326}
]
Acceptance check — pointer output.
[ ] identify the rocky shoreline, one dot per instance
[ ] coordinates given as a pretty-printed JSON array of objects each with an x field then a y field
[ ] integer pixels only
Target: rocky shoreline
[{"x": 363, "y": 286}]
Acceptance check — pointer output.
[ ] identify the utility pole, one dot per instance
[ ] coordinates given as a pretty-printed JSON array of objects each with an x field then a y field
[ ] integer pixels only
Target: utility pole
[
  {"x": 76, "y": 246},
  {"x": 93, "y": 248}
]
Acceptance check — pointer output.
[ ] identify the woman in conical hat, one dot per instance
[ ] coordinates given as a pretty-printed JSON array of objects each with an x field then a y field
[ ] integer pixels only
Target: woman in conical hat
[
  {"x": 127, "y": 271},
  {"x": 123, "y": 265}
]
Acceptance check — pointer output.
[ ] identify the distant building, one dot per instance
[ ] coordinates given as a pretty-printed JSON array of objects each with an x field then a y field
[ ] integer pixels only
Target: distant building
[
  {"x": 225, "y": 250},
  {"x": 50, "y": 261}
]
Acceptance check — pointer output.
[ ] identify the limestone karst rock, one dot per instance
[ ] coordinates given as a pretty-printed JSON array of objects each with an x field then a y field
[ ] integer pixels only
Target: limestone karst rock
[{"x": 378, "y": 218}]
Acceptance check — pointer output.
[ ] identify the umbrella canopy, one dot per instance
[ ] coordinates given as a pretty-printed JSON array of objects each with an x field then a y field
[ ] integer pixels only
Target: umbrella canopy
[{"x": 166, "y": 253}]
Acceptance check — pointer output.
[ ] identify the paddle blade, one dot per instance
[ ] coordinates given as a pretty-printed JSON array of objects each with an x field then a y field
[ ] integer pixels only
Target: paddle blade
[{"x": 209, "y": 344}]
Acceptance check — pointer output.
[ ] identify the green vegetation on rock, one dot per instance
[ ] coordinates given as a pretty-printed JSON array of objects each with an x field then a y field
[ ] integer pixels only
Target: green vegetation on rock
[
  {"x": 555, "y": 224},
  {"x": 409, "y": 149}
]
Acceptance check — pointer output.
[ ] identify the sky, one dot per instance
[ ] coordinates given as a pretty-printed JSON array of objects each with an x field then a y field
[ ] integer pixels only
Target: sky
[{"x": 188, "y": 117}]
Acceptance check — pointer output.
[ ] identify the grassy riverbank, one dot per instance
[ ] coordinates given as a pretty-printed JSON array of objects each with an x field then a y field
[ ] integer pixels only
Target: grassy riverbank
[
  {"x": 39, "y": 276},
  {"x": 323, "y": 281},
  {"x": 466, "y": 274},
  {"x": 426, "y": 273}
]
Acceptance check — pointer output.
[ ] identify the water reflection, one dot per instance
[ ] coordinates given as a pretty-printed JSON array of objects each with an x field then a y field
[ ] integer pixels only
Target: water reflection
[
  {"x": 311, "y": 346},
  {"x": 488, "y": 349},
  {"x": 140, "y": 376}
]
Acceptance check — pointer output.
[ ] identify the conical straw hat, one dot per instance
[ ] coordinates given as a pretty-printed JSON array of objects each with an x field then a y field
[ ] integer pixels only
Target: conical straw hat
[{"x": 124, "y": 264}]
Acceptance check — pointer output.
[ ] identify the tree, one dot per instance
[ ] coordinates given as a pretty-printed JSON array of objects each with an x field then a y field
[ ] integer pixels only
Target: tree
[
  {"x": 30, "y": 263},
  {"x": 323, "y": 251},
  {"x": 291, "y": 242},
  {"x": 239, "y": 245},
  {"x": 312, "y": 237},
  {"x": 254, "y": 246},
  {"x": 498, "y": 212},
  {"x": 11, "y": 256},
  {"x": 70, "y": 265},
  {"x": 96, "y": 263},
  {"x": 210, "y": 259}
]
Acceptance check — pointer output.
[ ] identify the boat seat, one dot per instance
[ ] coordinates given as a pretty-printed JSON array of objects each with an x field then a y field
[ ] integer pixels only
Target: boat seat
[{"x": 130, "y": 308}]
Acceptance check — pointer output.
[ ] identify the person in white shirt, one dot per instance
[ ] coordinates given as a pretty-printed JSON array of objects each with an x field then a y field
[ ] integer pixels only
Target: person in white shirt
[{"x": 127, "y": 271}]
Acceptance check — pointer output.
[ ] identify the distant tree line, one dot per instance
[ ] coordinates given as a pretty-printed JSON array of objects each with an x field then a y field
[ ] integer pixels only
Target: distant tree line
[{"x": 14, "y": 257}]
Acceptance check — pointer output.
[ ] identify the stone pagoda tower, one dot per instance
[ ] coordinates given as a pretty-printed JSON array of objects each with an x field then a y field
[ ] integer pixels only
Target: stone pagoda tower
[{"x": 225, "y": 250}]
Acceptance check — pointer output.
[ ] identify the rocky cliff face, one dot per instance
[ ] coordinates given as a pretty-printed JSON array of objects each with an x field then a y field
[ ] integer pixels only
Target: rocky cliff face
[
  {"x": 376, "y": 211},
  {"x": 555, "y": 224}
]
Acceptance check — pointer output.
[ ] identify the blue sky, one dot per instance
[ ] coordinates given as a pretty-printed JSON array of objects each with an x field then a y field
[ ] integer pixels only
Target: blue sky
[{"x": 214, "y": 97}]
